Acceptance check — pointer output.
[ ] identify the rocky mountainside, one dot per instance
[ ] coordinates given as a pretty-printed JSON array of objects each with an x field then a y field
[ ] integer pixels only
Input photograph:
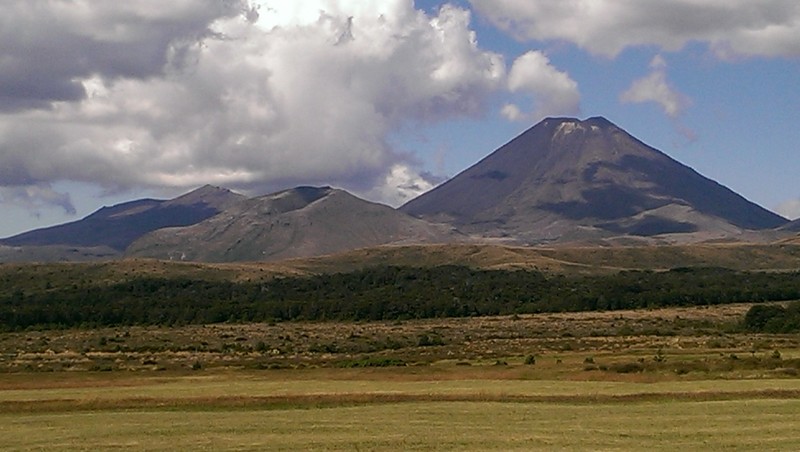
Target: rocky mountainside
[
  {"x": 301, "y": 222},
  {"x": 571, "y": 180},
  {"x": 114, "y": 228}
]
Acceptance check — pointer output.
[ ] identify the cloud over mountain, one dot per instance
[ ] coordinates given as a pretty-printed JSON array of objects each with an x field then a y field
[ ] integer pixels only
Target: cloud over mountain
[
  {"x": 245, "y": 94},
  {"x": 554, "y": 92}
]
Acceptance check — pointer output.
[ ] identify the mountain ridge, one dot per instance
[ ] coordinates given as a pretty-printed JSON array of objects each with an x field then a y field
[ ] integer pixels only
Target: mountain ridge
[
  {"x": 117, "y": 226},
  {"x": 298, "y": 222}
]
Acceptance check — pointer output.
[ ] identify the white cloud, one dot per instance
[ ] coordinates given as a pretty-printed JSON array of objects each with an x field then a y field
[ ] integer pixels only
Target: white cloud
[
  {"x": 48, "y": 47},
  {"x": 512, "y": 112},
  {"x": 655, "y": 88},
  {"x": 789, "y": 209},
  {"x": 554, "y": 93},
  {"x": 402, "y": 184},
  {"x": 183, "y": 93},
  {"x": 730, "y": 28}
]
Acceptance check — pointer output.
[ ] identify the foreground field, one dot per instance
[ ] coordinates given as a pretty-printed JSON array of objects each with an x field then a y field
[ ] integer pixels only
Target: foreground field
[
  {"x": 394, "y": 410},
  {"x": 659, "y": 379},
  {"x": 731, "y": 425}
]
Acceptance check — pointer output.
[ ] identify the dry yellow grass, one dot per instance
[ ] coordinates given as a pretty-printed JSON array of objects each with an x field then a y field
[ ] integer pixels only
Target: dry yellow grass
[{"x": 331, "y": 410}]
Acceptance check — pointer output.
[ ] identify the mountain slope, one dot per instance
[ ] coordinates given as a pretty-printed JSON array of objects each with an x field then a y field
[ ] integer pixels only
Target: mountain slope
[
  {"x": 301, "y": 222},
  {"x": 793, "y": 226},
  {"x": 118, "y": 226},
  {"x": 566, "y": 179}
]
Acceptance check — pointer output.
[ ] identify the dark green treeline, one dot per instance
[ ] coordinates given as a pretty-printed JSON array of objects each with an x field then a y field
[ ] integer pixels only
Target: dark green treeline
[{"x": 383, "y": 293}]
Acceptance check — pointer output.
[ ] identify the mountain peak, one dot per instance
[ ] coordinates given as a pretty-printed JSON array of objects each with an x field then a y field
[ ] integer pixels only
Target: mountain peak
[
  {"x": 210, "y": 189},
  {"x": 567, "y": 124},
  {"x": 216, "y": 198},
  {"x": 204, "y": 191},
  {"x": 565, "y": 176},
  {"x": 598, "y": 121}
]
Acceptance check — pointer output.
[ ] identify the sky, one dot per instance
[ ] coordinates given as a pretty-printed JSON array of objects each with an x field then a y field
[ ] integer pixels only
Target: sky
[{"x": 103, "y": 102}]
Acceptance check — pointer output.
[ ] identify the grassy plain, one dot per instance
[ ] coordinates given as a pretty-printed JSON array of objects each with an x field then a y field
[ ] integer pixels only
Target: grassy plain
[
  {"x": 627, "y": 380},
  {"x": 334, "y": 409}
]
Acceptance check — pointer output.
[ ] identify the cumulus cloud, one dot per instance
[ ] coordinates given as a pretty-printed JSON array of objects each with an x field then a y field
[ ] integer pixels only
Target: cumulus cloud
[
  {"x": 402, "y": 184},
  {"x": 730, "y": 28},
  {"x": 512, "y": 112},
  {"x": 789, "y": 209},
  {"x": 655, "y": 88},
  {"x": 262, "y": 95},
  {"x": 48, "y": 47},
  {"x": 553, "y": 92}
]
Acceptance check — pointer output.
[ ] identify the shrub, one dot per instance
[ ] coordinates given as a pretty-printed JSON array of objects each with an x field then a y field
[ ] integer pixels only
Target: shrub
[
  {"x": 428, "y": 340},
  {"x": 773, "y": 318},
  {"x": 763, "y": 318},
  {"x": 372, "y": 362},
  {"x": 530, "y": 360},
  {"x": 627, "y": 368}
]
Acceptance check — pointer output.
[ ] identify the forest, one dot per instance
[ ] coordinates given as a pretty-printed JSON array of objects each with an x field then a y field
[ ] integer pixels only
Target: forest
[{"x": 387, "y": 293}]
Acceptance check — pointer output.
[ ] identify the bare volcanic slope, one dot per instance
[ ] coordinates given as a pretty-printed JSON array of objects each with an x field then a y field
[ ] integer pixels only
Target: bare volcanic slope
[
  {"x": 118, "y": 226},
  {"x": 300, "y": 222},
  {"x": 566, "y": 179},
  {"x": 793, "y": 226}
]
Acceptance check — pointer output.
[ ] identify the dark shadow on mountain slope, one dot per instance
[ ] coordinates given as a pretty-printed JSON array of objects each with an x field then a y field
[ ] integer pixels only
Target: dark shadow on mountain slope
[
  {"x": 608, "y": 203},
  {"x": 311, "y": 194},
  {"x": 494, "y": 174},
  {"x": 704, "y": 195},
  {"x": 112, "y": 226},
  {"x": 651, "y": 226}
]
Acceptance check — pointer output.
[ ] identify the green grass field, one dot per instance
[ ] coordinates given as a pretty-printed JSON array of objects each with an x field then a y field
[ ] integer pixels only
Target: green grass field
[{"x": 391, "y": 409}]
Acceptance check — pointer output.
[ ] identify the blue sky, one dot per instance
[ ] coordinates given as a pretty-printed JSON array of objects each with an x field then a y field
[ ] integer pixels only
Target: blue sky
[{"x": 107, "y": 102}]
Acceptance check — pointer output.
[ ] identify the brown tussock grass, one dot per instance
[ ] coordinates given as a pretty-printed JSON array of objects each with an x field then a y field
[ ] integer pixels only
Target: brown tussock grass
[{"x": 304, "y": 401}]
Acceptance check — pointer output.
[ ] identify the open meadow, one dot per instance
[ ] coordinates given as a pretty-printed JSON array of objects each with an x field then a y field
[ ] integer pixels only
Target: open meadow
[
  {"x": 662, "y": 379},
  {"x": 384, "y": 412}
]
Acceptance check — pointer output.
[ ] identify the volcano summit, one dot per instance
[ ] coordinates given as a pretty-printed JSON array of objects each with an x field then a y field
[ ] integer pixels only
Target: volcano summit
[{"x": 565, "y": 179}]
